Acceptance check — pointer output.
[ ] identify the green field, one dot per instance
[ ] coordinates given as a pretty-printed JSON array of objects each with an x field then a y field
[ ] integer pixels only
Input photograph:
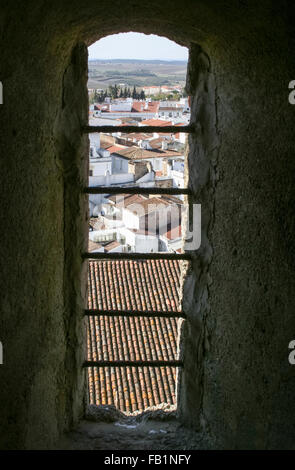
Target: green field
[{"x": 103, "y": 73}]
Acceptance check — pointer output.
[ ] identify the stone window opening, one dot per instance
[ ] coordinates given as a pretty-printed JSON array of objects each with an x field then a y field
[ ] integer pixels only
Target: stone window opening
[
  {"x": 105, "y": 372},
  {"x": 202, "y": 142}
]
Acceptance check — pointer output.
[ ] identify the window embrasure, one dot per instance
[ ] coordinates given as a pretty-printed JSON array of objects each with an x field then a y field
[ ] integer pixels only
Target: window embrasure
[{"x": 135, "y": 257}]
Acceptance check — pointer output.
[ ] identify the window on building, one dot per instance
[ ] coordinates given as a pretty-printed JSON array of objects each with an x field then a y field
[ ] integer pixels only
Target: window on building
[{"x": 134, "y": 307}]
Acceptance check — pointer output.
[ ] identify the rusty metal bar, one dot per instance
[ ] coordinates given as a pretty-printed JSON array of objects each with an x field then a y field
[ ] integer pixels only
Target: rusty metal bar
[
  {"x": 133, "y": 364},
  {"x": 136, "y": 190},
  {"x": 138, "y": 129},
  {"x": 133, "y": 313},
  {"x": 138, "y": 256}
]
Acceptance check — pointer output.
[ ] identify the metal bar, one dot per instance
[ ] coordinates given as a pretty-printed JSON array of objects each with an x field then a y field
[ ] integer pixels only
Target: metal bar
[
  {"x": 138, "y": 129},
  {"x": 135, "y": 190},
  {"x": 133, "y": 313},
  {"x": 137, "y": 256},
  {"x": 133, "y": 364}
]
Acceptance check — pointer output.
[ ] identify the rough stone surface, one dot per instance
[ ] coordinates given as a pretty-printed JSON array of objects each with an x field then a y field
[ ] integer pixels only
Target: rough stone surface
[
  {"x": 110, "y": 414},
  {"x": 237, "y": 388},
  {"x": 131, "y": 434}
]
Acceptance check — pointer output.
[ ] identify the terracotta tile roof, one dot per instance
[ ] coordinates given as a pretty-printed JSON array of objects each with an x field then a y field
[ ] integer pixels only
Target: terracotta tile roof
[
  {"x": 173, "y": 233},
  {"x": 137, "y": 107},
  {"x": 176, "y": 87},
  {"x": 106, "y": 140},
  {"x": 171, "y": 108},
  {"x": 172, "y": 199},
  {"x": 96, "y": 223},
  {"x": 126, "y": 199},
  {"x": 157, "y": 143},
  {"x": 128, "y": 122},
  {"x": 92, "y": 246},
  {"x": 148, "y": 205},
  {"x": 133, "y": 285},
  {"x": 132, "y": 388},
  {"x": 115, "y": 148},
  {"x": 136, "y": 153},
  {"x": 136, "y": 136},
  {"x": 155, "y": 122},
  {"x": 111, "y": 246},
  {"x": 140, "y": 107}
]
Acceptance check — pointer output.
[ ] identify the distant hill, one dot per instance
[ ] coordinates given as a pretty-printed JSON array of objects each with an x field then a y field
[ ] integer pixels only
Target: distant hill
[
  {"x": 137, "y": 61},
  {"x": 130, "y": 72}
]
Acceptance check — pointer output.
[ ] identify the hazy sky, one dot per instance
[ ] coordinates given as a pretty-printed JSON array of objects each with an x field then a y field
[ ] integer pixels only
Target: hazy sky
[{"x": 136, "y": 46}]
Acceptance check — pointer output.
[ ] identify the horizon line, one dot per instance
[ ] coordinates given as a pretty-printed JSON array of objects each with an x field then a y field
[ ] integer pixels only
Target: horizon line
[{"x": 134, "y": 58}]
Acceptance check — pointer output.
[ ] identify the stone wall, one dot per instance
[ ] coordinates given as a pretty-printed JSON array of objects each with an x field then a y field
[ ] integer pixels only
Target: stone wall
[{"x": 237, "y": 386}]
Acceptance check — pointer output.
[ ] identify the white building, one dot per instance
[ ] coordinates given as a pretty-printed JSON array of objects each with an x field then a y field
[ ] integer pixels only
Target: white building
[
  {"x": 170, "y": 110},
  {"x": 119, "y": 163},
  {"x": 100, "y": 162},
  {"x": 139, "y": 241},
  {"x": 175, "y": 170},
  {"x": 127, "y": 108},
  {"x": 97, "y": 120},
  {"x": 150, "y": 214},
  {"x": 121, "y": 105}
]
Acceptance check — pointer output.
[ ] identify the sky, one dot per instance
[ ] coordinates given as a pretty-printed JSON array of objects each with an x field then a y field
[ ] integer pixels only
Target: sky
[{"x": 137, "y": 46}]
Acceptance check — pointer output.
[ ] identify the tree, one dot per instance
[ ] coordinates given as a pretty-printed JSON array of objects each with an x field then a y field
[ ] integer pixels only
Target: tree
[
  {"x": 91, "y": 98},
  {"x": 176, "y": 95},
  {"x": 159, "y": 97},
  {"x": 142, "y": 95},
  {"x": 113, "y": 91},
  {"x": 134, "y": 93},
  {"x": 96, "y": 97},
  {"x": 110, "y": 91}
]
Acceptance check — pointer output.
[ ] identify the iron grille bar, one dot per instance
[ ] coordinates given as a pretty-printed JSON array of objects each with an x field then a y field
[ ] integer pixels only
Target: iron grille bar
[
  {"x": 133, "y": 313},
  {"x": 135, "y": 190},
  {"x": 138, "y": 129},
  {"x": 133, "y": 364},
  {"x": 137, "y": 256}
]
